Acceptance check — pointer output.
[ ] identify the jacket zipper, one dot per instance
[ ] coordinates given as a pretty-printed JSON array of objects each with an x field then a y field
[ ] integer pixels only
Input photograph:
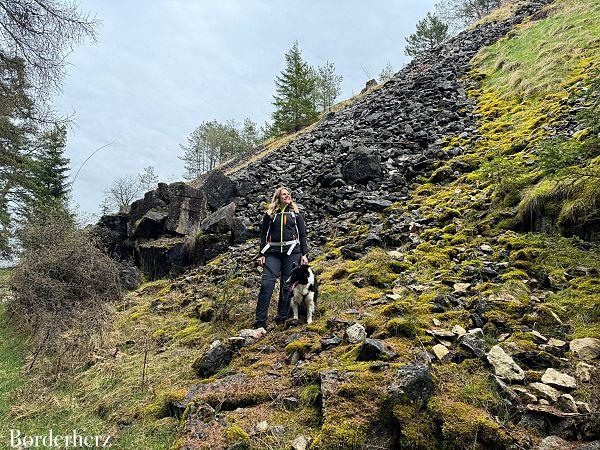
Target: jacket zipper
[{"x": 281, "y": 227}]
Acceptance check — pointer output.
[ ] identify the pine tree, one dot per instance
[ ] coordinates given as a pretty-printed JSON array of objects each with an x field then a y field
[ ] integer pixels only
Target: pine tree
[
  {"x": 328, "y": 86},
  {"x": 431, "y": 31},
  {"x": 295, "y": 94},
  {"x": 50, "y": 167},
  {"x": 16, "y": 131}
]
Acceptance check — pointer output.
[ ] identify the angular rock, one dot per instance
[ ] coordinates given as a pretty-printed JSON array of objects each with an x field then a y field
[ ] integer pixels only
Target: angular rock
[
  {"x": 440, "y": 351},
  {"x": 473, "y": 343},
  {"x": 537, "y": 359},
  {"x": 362, "y": 166},
  {"x": 461, "y": 288},
  {"x": 477, "y": 332},
  {"x": 585, "y": 348},
  {"x": 300, "y": 443},
  {"x": 504, "y": 366},
  {"x": 458, "y": 330},
  {"x": 441, "y": 334},
  {"x": 221, "y": 221},
  {"x": 277, "y": 430},
  {"x": 556, "y": 343},
  {"x": 524, "y": 395},
  {"x": 261, "y": 427},
  {"x": 217, "y": 187},
  {"x": 355, "y": 333},
  {"x": 566, "y": 403},
  {"x": 545, "y": 391},
  {"x": 150, "y": 226},
  {"x": 555, "y": 378},
  {"x": 130, "y": 277},
  {"x": 373, "y": 349},
  {"x": 583, "y": 372},
  {"x": 413, "y": 383},
  {"x": 330, "y": 383},
  {"x": 331, "y": 342},
  {"x": 162, "y": 257},
  {"x": 253, "y": 333},
  {"x": 187, "y": 208},
  {"x": 218, "y": 355},
  {"x": 550, "y": 411},
  {"x": 554, "y": 443}
]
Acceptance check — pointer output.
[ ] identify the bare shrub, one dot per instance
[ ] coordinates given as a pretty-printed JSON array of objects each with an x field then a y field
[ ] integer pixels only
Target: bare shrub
[{"x": 63, "y": 288}]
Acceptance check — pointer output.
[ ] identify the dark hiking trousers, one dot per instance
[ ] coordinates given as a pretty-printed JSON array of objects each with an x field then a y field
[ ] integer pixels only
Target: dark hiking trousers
[{"x": 276, "y": 265}]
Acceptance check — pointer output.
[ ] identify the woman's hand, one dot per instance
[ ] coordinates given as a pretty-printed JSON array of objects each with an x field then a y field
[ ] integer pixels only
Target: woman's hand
[
  {"x": 304, "y": 260},
  {"x": 261, "y": 261}
]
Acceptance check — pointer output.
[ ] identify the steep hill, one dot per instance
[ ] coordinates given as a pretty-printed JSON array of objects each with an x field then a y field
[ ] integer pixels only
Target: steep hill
[{"x": 453, "y": 215}]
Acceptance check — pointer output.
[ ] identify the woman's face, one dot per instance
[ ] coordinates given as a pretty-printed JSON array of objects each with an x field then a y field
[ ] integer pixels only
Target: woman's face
[{"x": 285, "y": 196}]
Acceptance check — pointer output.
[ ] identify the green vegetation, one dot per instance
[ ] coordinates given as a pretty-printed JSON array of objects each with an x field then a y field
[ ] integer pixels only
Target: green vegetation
[
  {"x": 431, "y": 32},
  {"x": 538, "y": 57}
]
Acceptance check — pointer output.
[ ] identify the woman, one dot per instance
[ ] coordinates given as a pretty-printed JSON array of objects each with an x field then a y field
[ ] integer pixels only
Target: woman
[{"x": 282, "y": 243}]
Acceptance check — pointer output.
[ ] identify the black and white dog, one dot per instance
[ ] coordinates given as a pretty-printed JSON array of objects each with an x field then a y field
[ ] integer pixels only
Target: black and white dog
[{"x": 304, "y": 290}]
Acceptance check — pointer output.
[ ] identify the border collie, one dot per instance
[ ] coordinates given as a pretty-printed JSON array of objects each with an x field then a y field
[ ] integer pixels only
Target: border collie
[{"x": 304, "y": 290}]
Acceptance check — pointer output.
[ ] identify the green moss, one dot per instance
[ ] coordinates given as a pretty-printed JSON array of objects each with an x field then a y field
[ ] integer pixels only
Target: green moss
[
  {"x": 462, "y": 423},
  {"x": 309, "y": 395},
  {"x": 405, "y": 327},
  {"x": 339, "y": 436},
  {"x": 417, "y": 428},
  {"x": 163, "y": 406},
  {"x": 395, "y": 309},
  {"x": 302, "y": 346},
  {"x": 236, "y": 436},
  {"x": 515, "y": 274}
]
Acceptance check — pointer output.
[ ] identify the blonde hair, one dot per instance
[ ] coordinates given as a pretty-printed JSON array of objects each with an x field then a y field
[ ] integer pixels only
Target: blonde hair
[{"x": 276, "y": 203}]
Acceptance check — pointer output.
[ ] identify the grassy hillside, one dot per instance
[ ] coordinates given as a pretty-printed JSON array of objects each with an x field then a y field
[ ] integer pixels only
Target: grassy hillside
[{"x": 518, "y": 200}]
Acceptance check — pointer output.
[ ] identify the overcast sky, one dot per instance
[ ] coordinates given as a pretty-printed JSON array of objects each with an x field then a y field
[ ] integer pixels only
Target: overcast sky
[{"x": 160, "y": 68}]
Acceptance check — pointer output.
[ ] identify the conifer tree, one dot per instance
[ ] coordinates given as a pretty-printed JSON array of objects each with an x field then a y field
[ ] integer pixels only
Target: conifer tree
[
  {"x": 431, "y": 31},
  {"x": 50, "y": 167},
  {"x": 295, "y": 94}
]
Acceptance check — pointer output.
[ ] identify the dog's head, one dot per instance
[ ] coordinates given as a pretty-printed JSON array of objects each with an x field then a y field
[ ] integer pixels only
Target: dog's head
[{"x": 299, "y": 274}]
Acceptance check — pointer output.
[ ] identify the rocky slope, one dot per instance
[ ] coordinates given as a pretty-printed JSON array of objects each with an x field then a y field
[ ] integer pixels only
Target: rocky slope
[{"x": 443, "y": 322}]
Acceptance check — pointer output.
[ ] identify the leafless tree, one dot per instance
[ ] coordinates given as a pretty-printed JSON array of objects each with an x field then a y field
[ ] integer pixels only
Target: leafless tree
[
  {"x": 42, "y": 34},
  {"x": 122, "y": 192}
]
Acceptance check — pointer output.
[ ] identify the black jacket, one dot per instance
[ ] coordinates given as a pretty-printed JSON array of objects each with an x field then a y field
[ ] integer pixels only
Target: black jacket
[{"x": 272, "y": 230}]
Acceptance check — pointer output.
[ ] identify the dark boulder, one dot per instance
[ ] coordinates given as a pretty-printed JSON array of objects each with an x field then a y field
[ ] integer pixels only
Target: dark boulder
[
  {"x": 111, "y": 232},
  {"x": 221, "y": 221},
  {"x": 239, "y": 230},
  {"x": 187, "y": 209},
  {"x": 363, "y": 165},
  {"x": 473, "y": 343},
  {"x": 218, "y": 355},
  {"x": 373, "y": 349},
  {"x": 162, "y": 257},
  {"x": 413, "y": 383},
  {"x": 217, "y": 188},
  {"x": 150, "y": 225},
  {"x": 155, "y": 199}
]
